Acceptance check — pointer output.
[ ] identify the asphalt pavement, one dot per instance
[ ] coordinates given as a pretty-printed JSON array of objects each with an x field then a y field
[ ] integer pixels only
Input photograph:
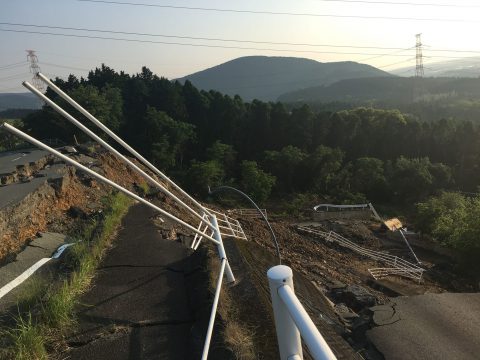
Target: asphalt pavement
[
  {"x": 41, "y": 247},
  {"x": 10, "y": 160},
  {"x": 139, "y": 305},
  {"x": 430, "y": 326}
]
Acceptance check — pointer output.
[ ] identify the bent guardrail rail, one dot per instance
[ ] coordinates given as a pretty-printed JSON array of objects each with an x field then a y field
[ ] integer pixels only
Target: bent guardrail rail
[
  {"x": 251, "y": 213},
  {"x": 292, "y": 321},
  {"x": 349, "y": 207},
  {"x": 397, "y": 265}
]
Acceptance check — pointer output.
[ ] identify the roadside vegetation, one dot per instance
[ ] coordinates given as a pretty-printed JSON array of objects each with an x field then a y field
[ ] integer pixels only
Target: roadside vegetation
[
  {"x": 452, "y": 219},
  {"x": 276, "y": 151},
  {"x": 46, "y": 310},
  {"x": 238, "y": 337}
]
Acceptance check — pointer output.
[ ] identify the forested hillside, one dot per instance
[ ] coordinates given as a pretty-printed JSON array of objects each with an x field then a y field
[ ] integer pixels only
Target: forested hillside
[
  {"x": 207, "y": 138},
  {"x": 267, "y": 77}
]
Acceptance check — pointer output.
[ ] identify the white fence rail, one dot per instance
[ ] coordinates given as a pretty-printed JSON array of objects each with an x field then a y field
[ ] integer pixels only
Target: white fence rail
[
  {"x": 251, "y": 213},
  {"x": 327, "y": 207},
  {"x": 292, "y": 321},
  {"x": 208, "y": 220},
  {"x": 290, "y": 317},
  {"x": 397, "y": 265}
]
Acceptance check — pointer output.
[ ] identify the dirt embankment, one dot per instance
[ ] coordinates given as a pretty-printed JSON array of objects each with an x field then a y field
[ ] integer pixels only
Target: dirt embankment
[{"x": 53, "y": 197}]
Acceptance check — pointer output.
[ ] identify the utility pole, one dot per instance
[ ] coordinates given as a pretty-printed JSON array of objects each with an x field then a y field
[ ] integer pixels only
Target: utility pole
[
  {"x": 418, "y": 80},
  {"x": 35, "y": 69},
  {"x": 419, "y": 57}
]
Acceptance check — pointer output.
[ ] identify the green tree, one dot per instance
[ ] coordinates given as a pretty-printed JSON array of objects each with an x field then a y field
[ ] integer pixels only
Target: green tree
[
  {"x": 368, "y": 178},
  {"x": 286, "y": 166},
  {"x": 323, "y": 165},
  {"x": 225, "y": 155},
  {"x": 452, "y": 220},
  {"x": 165, "y": 139},
  {"x": 204, "y": 174},
  {"x": 255, "y": 182}
]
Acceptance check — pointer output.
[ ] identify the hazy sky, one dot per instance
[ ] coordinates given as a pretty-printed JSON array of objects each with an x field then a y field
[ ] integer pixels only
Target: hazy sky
[{"x": 59, "y": 56}]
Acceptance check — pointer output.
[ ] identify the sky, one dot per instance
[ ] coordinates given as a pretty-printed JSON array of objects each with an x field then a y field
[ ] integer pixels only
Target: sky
[{"x": 351, "y": 25}]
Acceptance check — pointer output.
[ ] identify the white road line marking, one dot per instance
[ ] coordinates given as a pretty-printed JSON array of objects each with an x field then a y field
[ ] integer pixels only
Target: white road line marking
[
  {"x": 31, "y": 270},
  {"x": 22, "y": 277}
]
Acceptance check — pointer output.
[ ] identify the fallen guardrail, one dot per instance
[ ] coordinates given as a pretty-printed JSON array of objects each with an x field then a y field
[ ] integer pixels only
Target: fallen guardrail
[{"x": 396, "y": 265}]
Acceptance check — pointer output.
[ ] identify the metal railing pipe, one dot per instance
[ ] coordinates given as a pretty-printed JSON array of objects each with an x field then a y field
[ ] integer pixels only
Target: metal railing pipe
[
  {"x": 65, "y": 158},
  {"x": 288, "y": 336},
  {"x": 315, "y": 342},
  {"x": 208, "y": 337},
  {"x": 118, "y": 139},
  {"x": 107, "y": 146},
  {"x": 221, "y": 250}
]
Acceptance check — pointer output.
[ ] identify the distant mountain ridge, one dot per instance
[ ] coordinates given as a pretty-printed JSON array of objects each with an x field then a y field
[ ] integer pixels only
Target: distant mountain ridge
[
  {"x": 393, "y": 90},
  {"x": 468, "y": 67},
  {"x": 19, "y": 101},
  {"x": 266, "y": 78}
]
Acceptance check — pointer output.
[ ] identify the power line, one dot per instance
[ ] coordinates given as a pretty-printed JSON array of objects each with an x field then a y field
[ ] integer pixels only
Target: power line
[
  {"x": 204, "y": 38},
  {"x": 234, "y": 47},
  {"x": 194, "y": 45},
  {"x": 274, "y": 12},
  {"x": 403, "y": 3},
  {"x": 13, "y": 65},
  {"x": 14, "y": 76},
  {"x": 396, "y": 63},
  {"x": 64, "y": 67}
]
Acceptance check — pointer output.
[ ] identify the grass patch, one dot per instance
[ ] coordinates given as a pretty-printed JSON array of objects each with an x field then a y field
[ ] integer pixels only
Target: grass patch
[
  {"x": 54, "y": 308},
  {"x": 238, "y": 337},
  {"x": 28, "y": 340}
]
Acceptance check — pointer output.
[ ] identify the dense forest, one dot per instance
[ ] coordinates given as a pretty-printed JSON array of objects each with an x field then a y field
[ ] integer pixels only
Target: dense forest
[
  {"x": 428, "y": 98},
  {"x": 272, "y": 152}
]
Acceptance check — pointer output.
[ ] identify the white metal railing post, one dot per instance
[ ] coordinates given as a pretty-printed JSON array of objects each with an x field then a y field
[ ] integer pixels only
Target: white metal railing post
[
  {"x": 98, "y": 123},
  {"x": 316, "y": 344},
  {"x": 65, "y": 158},
  {"x": 221, "y": 250},
  {"x": 288, "y": 336}
]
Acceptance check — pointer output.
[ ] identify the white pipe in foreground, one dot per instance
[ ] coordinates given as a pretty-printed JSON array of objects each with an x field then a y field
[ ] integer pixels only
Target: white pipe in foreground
[
  {"x": 208, "y": 337},
  {"x": 221, "y": 250},
  {"x": 288, "y": 336},
  {"x": 41, "y": 145},
  {"x": 118, "y": 139},
  {"x": 102, "y": 142},
  {"x": 315, "y": 342},
  {"x": 291, "y": 319}
]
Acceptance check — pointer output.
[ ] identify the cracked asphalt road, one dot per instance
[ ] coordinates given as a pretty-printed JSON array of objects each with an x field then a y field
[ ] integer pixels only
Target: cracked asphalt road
[
  {"x": 138, "y": 307},
  {"x": 430, "y": 326}
]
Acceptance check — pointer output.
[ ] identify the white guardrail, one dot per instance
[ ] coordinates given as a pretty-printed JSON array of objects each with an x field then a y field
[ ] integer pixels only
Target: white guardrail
[
  {"x": 251, "y": 213},
  {"x": 292, "y": 321},
  {"x": 225, "y": 225},
  {"x": 291, "y": 318},
  {"x": 396, "y": 265},
  {"x": 348, "y": 207}
]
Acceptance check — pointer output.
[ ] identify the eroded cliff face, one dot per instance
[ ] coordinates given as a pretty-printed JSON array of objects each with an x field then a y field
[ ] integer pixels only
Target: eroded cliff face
[{"x": 48, "y": 195}]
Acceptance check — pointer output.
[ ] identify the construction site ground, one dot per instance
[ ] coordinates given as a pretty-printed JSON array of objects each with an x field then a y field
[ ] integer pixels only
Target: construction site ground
[
  {"x": 334, "y": 269},
  {"x": 332, "y": 282}
]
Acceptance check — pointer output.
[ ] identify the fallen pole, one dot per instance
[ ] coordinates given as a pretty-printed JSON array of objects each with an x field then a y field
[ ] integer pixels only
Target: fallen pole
[
  {"x": 103, "y": 179},
  {"x": 114, "y": 136},
  {"x": 102, "y": 142}
]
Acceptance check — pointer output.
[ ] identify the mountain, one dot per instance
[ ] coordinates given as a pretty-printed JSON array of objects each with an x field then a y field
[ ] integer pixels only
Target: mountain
[
  {"x": 392, "y": 90},
  {"x": 266, "y": 78},
  {"x": 19, "y": 101},
  {"x": 466, "y": 67}
]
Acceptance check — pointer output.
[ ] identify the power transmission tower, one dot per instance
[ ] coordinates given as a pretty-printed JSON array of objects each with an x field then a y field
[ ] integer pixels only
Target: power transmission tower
[
  {"x": 35, "y": 69},
  {"x": 419, "y": 57},
  {"x": 418, "y": 90}
]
